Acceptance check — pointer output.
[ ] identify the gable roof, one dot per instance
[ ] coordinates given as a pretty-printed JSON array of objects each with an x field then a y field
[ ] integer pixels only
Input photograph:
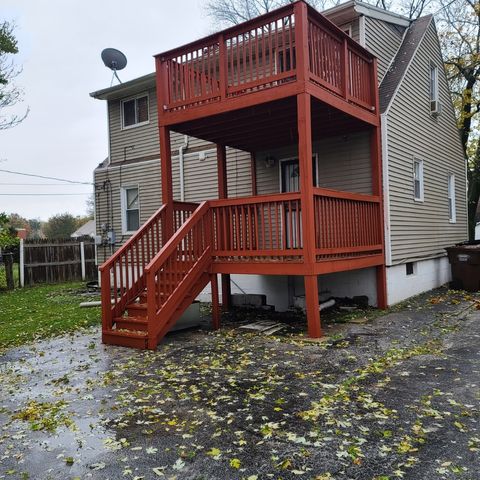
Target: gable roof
[
  {"x": 399, "y": 66},
  {"x": 128, "y": 88},
  {"x": 345, "y": 12},
  {"x": 87, "y": 229}
]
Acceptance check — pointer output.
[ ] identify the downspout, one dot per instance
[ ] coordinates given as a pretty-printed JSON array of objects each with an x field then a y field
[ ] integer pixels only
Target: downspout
[{"x": 181, "y": 151}]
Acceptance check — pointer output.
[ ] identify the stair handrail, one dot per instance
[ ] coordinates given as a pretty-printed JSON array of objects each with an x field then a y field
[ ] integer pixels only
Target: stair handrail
[
  {"x": 109, "y": 309},
  {"x": 201, "y": 254}
]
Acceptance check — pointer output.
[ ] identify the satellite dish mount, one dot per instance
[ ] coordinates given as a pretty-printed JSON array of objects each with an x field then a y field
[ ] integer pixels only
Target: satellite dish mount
[{"x": 115, "y": 60}]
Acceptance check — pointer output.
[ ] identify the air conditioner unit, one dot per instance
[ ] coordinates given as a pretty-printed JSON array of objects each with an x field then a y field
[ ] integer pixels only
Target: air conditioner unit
[{"x": 435, "y": 108}]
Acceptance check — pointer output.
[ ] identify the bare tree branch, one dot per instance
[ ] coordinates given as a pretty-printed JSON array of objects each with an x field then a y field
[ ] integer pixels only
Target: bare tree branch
[{"x": 10, "y": 94}]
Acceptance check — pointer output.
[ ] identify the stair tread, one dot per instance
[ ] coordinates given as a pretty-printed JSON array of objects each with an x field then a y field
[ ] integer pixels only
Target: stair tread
[
  {"x": 127, "y": 333},
  {"x": 131, "y": 318},
  {"x": 142, "y": 305}
]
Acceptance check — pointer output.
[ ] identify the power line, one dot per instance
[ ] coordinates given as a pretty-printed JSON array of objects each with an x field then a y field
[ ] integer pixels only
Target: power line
[
  {"x": 41, "y": 194},
  {"x": 48, "y": 178},
  {"x": 39, "y": 184}
]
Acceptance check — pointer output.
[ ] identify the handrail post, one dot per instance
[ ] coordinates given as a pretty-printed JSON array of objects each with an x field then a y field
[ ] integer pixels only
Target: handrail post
[
  {"x": 151, "y": 310},
  {"x": 162, "y": 84},
  {"x": 374, "y": 87},
  {"x": 106, "y": 300},
  {"x": 301, "y": 41},
  {"x": 222, "y": 67},
  {"x": 166, "y": 173},
  {"x": 208, "y": 228}
]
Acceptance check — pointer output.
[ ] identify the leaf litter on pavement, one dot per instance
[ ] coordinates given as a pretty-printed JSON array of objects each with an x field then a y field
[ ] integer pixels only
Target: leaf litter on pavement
[{"x": 236, "y": 405}]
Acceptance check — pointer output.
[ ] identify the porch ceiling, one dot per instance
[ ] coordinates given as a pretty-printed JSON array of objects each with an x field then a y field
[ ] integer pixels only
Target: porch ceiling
[{"x": 268, "y": 125}]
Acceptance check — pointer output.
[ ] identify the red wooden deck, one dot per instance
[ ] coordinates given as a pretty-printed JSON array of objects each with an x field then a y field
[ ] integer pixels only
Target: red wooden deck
[
  {"x": 285, "y": 78},
  {"x": 258, "y": 62}
]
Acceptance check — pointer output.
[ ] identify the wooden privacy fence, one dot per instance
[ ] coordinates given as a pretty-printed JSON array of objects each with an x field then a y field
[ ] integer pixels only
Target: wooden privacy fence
[{"x": 57, "y": 261}]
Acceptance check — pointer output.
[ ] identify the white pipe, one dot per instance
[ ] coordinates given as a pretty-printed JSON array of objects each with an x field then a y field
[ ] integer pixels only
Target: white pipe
[
  {"x": 327, "y": 304},
  {"x": 181, "y": 151},
  {"x": 22, "y": 262},
  {"x": 82, "y": 258}
]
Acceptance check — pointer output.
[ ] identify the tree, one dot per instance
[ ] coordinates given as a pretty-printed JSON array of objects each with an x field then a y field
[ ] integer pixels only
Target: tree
[
  {"x": 17, "y": 221},
  {"x": 459, "y": 23},
  {"x": 232, "y": 12},
  {"x": 35, "y": 228},
  {"x": 8, "y": 235},
  {"x": 60, "y": 226},
  {"x": 90, "y": 202},
  {"x": 411, "y": 9},
  {"x": 10, "y": 94}
]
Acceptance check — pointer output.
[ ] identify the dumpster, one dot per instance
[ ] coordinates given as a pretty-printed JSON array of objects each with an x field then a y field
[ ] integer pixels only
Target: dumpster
[{"x": 464, "y": 260}]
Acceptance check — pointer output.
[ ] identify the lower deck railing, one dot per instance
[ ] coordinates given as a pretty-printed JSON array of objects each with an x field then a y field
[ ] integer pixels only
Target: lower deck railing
[
  {"x": 346, "y": 224},
  {"x": 269, "y": 227},
  {"x": 266, "y": 227}
]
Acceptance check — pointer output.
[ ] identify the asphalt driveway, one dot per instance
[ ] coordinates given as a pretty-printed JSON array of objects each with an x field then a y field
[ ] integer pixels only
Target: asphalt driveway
[{"x": 395, "y": 397}]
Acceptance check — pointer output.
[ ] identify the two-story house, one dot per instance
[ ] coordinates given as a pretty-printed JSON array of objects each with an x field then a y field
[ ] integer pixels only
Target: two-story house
[{"x": 325, "y": 149}]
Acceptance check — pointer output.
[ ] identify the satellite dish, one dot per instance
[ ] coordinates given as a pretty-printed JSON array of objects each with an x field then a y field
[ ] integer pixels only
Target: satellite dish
[{"x": 114, "y": 60}]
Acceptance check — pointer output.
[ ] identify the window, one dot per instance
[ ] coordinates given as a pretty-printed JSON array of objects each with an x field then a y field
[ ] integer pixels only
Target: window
[
  {"x": 418, "y": 180},
  {"x": 410, "y": 268},
  {"x": 434, "y": 99},
  {"x": 135, "y": 111},
  {"x": 130, "y": 209},
  {"x": 347, "y": 29},
  {"x": 452, "y": 214}
]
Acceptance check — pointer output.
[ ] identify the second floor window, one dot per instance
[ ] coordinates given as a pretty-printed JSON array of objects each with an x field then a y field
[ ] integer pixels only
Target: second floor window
[
  {"x": 434, "y": 97},
  {"x": 130, "y": 209},
  {"x": 418, "y": 180},
  {"x": 135, "y": 111}
]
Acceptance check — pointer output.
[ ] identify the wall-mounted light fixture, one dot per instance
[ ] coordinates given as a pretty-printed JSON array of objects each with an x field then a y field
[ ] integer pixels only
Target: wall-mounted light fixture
[{"x": 270, "y": 161}]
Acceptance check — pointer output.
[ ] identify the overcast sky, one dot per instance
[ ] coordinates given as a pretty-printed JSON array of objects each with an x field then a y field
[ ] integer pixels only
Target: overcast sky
[{"x": 65, "y": 133}]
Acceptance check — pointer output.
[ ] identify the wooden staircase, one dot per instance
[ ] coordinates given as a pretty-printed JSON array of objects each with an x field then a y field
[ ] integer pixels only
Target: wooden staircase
[{"x": 151, "y": 280}]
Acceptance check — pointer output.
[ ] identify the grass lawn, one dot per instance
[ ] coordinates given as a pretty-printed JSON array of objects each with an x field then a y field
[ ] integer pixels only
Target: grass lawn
[{"x": 36, "y": 312}]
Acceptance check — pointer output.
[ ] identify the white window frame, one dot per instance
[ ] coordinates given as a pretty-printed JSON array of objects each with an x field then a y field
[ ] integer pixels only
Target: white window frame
[
  {"x": 287, "y": 159},
  {"x": 122, "y": 112},
  {"x": 434, "y": 94},
  {"x": 420, "y": 180},
  {"x": 123, "y": 207},
  {"x": 414, "y": 269},
  {"x": 452, "y": 208},
  {"x": 346, "y": 28}
]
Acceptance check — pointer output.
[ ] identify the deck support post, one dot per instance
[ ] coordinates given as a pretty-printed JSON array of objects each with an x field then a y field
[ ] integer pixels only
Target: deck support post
[
  {"x": 308, "y": 213},
  {"x": 382, "y": 302},
  {"x": 215, "y": 302},
  {"x": 223, "y": 193},
  {"x": 377, "y": 189},
  {"x": 166, "y": 172},
  {"x": 312, "y": 306}
]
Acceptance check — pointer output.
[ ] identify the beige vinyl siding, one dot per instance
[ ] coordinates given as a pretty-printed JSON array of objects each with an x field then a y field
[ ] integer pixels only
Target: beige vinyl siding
[
  {"x": 200, "y": 184},
  {"x": 144, "y": 137},
  {"x": 145, "y": 175},
  {"x": 422, "y": 230},
  {"x": 239, "y": 173},
  {"x": 343, "y": 164},
  {"x": 201, "y": 178},
  {"x": 383, "y": 40}
]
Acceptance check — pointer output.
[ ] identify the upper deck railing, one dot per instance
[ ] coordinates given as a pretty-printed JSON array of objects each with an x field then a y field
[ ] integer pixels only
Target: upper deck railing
[{"x": 262, "y": 54}]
